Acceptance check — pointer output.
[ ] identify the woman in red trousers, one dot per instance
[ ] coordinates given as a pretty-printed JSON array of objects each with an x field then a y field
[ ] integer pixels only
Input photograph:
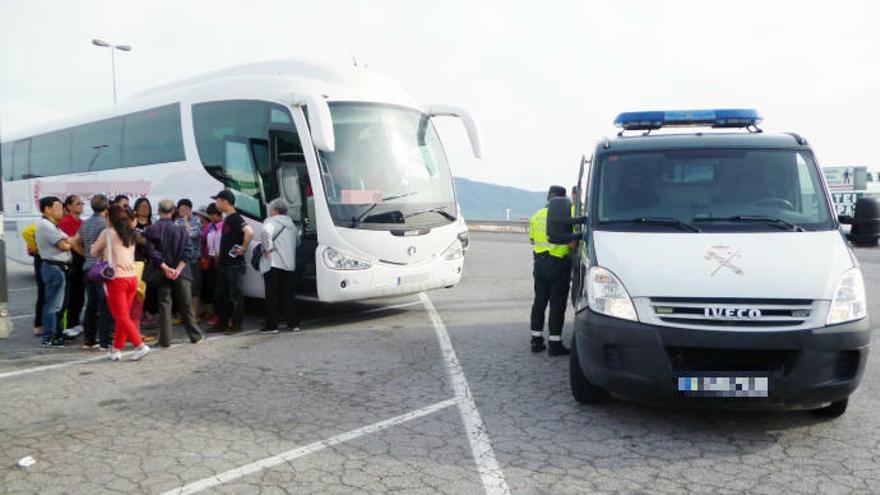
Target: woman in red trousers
[{"x": 121, "y": 289}]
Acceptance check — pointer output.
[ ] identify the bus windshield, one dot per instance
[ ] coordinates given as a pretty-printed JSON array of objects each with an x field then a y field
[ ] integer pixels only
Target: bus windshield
[
  {"x": 388, "y": 170},
  {"x": 689, "y": 190}
]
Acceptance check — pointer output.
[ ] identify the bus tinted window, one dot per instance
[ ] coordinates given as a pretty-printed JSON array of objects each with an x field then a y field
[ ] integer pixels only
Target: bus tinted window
[
  {"x": 215, "y": 122},
  {"x": 97, "y": 146},
  {"x": 21, "y": 151},
  {"x": 6, "y": 160},
  {"x": 50, "y": 154},
  {"x": 153, "y": 136}
]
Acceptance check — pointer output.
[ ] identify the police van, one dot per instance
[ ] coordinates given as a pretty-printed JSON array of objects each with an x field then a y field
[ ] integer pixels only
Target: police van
[{"x": 712, "y": 270}]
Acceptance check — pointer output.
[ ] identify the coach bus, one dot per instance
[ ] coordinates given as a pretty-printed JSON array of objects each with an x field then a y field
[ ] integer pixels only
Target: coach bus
[{"x": 356, "y": 157}]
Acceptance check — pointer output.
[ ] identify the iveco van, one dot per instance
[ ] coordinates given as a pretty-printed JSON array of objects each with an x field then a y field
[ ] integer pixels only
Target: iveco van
[{"x": 712, "y": 270}]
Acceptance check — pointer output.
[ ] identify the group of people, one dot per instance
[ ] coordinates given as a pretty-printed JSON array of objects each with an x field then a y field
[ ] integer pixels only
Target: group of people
[{"x": 122, "y": 270}]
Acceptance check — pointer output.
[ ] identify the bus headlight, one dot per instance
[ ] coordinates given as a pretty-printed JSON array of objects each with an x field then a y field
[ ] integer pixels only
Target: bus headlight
[
  {"x": 607, "y": 295},
  {"x": 849, "y": 299},
  {"x": 337, "y": 260},
  {"x": 454, "y": 251}
]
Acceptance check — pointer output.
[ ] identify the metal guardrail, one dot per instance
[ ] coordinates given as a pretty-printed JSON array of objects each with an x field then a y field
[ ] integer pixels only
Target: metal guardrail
[{"x": 513, "y": 226}]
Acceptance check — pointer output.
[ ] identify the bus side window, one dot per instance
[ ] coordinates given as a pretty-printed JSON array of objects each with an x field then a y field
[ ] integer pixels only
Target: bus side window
[{"x": 21, "y": 155}]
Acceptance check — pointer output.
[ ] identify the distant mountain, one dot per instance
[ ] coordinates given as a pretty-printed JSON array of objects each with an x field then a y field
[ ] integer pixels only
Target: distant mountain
[{"x": 485, "y": 201}]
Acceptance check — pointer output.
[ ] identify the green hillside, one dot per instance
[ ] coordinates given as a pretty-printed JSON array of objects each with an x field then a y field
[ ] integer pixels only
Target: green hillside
[{"x": 485, "y": 201}]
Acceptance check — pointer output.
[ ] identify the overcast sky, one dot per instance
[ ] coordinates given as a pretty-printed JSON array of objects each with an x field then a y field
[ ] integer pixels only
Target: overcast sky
[{"x": 545, "y": 79}]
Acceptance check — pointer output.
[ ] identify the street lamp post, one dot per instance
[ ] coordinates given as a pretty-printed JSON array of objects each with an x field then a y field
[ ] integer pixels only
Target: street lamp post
[{"x": 113, "y": 48}]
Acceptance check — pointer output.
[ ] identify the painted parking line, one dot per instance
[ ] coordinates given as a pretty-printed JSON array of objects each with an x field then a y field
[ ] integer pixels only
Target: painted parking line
[
  {"x": 305, "y": 450},
  {"x": 102, "y": 357},
  {"x": 66, "y": 364},
  {"x": 22, "y": 289},
  {"x": 494, "y": 482}
]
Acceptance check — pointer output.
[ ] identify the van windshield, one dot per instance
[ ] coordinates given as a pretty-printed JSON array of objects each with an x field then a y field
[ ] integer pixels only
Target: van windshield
[{"x": 711, "y": 190}]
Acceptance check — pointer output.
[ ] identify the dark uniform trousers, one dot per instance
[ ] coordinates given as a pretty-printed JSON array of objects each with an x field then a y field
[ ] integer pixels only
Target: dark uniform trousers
[{"x": 552, "y": 276}]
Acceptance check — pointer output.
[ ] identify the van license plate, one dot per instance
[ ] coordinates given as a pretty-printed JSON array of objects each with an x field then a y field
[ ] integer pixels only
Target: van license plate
[{"x": 724, "y": 386}]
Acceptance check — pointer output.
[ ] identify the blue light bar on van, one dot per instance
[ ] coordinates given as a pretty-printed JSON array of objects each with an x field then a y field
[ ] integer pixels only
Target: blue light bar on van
[{"x": 644, "y": 121}]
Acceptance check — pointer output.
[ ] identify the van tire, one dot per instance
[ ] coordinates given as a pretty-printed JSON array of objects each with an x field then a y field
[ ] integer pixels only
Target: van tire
[
  {"x": 584, "y": 392},
  {"x": 834, "y": 409}
]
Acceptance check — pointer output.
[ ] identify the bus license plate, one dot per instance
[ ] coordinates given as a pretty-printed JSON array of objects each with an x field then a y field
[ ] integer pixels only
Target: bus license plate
[{"x": 724, "y": 386}]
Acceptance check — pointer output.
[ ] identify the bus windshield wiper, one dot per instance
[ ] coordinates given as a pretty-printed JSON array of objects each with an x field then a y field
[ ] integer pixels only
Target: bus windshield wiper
[
  {"x": 398, "y": 196},
  {"x": 672, "y": 222},
  {"x": 441, "y": 210},
  {"x": 355, "y": 221},
  {"x": 755, "y": 219}
]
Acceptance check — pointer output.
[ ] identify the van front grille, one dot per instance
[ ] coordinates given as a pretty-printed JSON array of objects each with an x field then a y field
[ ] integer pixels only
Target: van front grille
[{"x": 732, "y": 312}]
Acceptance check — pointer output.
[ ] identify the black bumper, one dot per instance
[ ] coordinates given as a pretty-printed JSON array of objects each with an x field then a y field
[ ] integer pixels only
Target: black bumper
[{"x": 640, "y": 362}]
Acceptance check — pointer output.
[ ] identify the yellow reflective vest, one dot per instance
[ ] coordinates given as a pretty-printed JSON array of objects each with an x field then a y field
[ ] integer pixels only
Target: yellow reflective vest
[{"x": 538, "y": 234}]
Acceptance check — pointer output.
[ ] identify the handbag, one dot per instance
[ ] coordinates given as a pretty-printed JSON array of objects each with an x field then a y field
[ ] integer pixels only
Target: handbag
[
  {"x": 103, "y": 270},
  {"x": 258, "y": 250}
]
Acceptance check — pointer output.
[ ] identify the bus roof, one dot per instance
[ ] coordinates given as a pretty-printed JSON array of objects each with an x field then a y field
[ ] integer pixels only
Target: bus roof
[{"x": 272, "y": 81}]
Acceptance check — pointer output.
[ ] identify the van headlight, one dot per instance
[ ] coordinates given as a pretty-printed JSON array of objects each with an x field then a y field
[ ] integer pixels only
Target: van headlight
[
  {"x": 607, "y": 295},
  {"x": 849, "y": 299},
  {"x": 454, "y": 251},
  {"x": 337, "y": 260}
]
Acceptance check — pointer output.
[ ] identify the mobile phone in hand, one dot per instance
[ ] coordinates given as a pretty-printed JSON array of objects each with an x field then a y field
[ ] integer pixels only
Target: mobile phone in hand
[{"x": 233, "y": 253}]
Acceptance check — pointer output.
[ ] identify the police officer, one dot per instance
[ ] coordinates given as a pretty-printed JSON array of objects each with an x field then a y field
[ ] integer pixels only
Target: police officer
[{"x": 552, "y": 274}]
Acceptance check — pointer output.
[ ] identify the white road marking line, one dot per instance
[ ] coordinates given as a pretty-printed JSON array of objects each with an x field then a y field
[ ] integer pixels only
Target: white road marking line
[
  {"x": 491, "y": 474},
  {"x": 22, "y": 289},
  {"x": 48, "y": 367},
  {"x": 18, "y": 317},
  {"x": 311, "y": 448}
]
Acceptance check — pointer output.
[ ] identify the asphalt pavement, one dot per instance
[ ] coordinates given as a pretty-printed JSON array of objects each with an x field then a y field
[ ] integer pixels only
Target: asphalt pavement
[{"x": 434, "y": 393}]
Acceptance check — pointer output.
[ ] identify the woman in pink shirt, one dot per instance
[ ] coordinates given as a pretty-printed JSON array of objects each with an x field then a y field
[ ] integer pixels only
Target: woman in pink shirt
[{"x": 121, "y": 289}]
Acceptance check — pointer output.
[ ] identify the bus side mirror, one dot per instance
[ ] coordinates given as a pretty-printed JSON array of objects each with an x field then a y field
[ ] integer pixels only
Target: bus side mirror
[
  {"x": 320, "y": 121},
  {"x": 470, "y": 124},
  {"x": 845, "y": 219},
  {"x": 559, "y": 221}
]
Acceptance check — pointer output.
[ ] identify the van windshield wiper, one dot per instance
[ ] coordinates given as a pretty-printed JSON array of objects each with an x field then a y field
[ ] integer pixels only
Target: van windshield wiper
[
  {"x": 441, "y": 210},
  {"x": 672, "y": 222},
  {"x": 755, "y": 219}
]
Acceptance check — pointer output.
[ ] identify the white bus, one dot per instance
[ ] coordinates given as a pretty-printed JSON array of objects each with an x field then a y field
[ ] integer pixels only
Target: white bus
[{"x": 358, "y": 159}]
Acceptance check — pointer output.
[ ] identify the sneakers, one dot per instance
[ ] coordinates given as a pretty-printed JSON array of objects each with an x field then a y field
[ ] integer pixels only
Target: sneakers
[
  {"x": 114, "y": 355},
  {"x": 140, "y": 352},
  {"x": 294, "y": 328},
  {"x": 268, "y": 331},
  {"x": 54, "y": 343},
  {"x": 90, "y": 347},
  {"x": 538, "y": 344},
  {"x": 201, "y": 340},
  {"x": 72, "y": 333},
  {"x": 148, "y": 339},
  {"x": 557, "y": 349}
]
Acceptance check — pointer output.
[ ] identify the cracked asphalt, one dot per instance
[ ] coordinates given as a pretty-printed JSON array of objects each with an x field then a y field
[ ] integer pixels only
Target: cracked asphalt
[{"x": 191, "y": 413}]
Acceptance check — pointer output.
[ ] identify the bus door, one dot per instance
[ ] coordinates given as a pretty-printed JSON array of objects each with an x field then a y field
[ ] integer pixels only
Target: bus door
[{"x": 292, "y": 179}]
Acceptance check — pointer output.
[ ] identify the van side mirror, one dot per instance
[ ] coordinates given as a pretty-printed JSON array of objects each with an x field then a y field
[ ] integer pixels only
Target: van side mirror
[
  {"x": 559, "y": 221},
  {"x": 845, "y": 219}
]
